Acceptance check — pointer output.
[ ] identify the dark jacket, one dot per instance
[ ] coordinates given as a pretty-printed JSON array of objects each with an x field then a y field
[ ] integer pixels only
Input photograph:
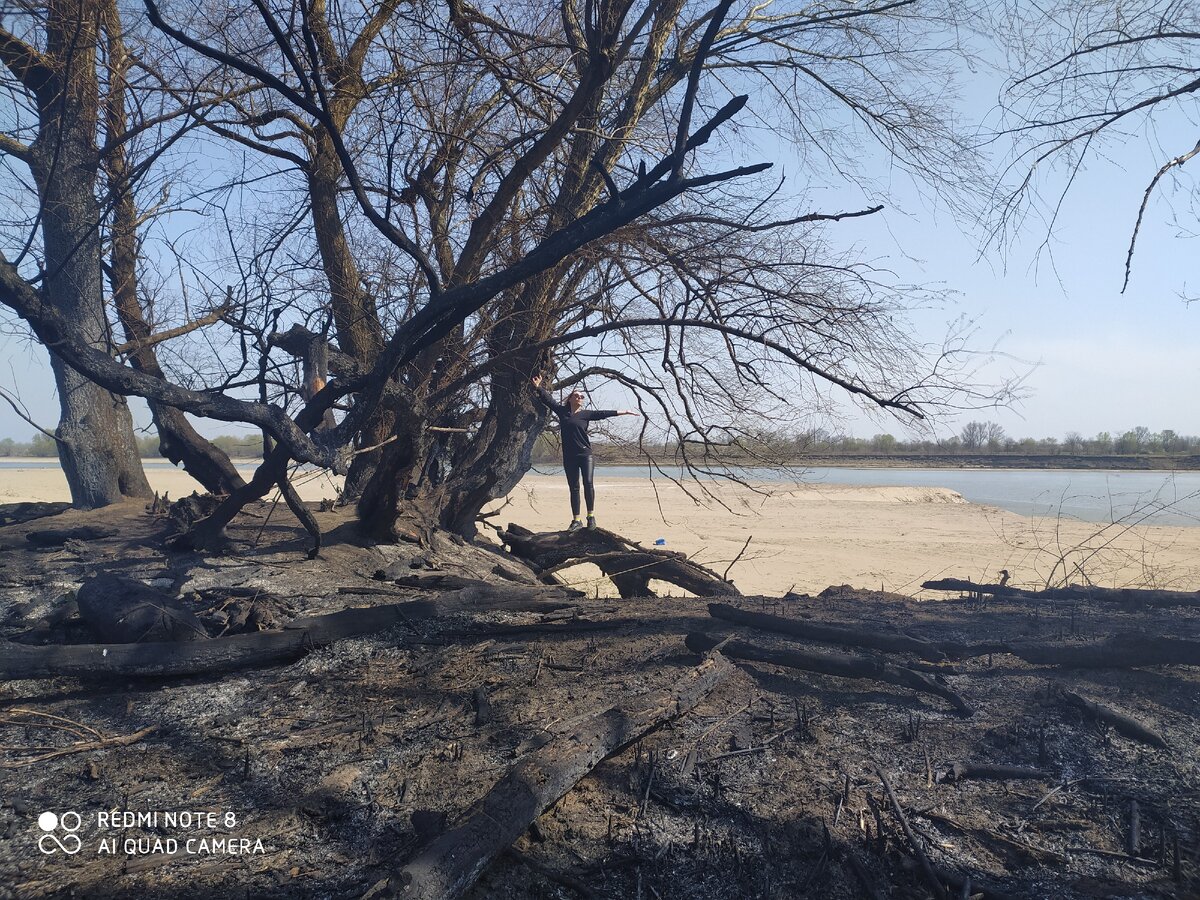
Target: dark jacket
[{"x": 573, "y": 426}]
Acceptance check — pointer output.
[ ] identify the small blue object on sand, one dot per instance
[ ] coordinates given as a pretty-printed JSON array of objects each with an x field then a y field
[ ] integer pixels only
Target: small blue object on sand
[{"x": 661, "y": 542}]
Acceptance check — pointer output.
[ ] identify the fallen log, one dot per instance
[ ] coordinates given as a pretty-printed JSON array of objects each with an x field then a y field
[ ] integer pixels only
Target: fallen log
[
  {"x": 1075, "y": 592},
  {"x": 225, "y": 654},
  {"x": 630, "y": 566},
  {"x": 1126, "y": 725},
  {"x": 828, "y": 634},
  {"x": 988, "y": 772},
  {"x": 53, "y": 537},
  {"x": 827, "y": 664},
  {"x": 1121, "y": 651},
  {"x": 20, "y": 513},
  {"x": 510, "y": 598},
  {"x": 574, "y": 625},
  {"x": 451, "y": 863}
]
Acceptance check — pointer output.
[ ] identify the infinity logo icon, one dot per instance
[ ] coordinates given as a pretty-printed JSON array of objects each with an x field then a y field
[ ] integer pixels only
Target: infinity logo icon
[{"x": 70, "y": 843}]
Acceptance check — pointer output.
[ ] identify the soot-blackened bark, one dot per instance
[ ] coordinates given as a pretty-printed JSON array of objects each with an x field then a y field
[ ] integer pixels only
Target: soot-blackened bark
[
  {"x": 380, "y": 500},
  {"x": 500, "y": 454},
  {"x": 355, "y": 317},
  {"x": 96, "y": 444}
]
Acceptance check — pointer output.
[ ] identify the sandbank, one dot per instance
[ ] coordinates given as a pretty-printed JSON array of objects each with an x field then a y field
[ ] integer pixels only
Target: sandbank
[{"x": 804, "y": 537}]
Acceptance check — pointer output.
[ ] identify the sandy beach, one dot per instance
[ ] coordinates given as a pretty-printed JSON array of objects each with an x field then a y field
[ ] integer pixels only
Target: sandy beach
[{"x": 806, "y": 537}]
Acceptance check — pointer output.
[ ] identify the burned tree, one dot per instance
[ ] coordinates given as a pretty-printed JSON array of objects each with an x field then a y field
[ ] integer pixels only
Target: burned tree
[
  {"x": 54, "y": 65},
  {"x": 484, "y": 197}
]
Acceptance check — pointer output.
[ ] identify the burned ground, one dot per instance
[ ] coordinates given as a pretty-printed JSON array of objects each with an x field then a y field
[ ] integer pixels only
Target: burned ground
[{"x": 348, "y": 760}]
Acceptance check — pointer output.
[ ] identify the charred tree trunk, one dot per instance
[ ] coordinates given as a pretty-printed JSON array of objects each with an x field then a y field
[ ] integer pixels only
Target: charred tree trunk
[
  {"x": 500, "y": 454},
  {"x": 178, "y": 441},
  {"x": 355, "y": 317},
  {"x": 96, "y": 444},
  {"x": 390, "y": 479}
]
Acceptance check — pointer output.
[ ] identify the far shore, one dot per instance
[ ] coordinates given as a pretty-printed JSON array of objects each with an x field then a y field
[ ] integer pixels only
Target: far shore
[
  {"x": 779, "y": 537},
  {"x": 1000, "y": 462}
]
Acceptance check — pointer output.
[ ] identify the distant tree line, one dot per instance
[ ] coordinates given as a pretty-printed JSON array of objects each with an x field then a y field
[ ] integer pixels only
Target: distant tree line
[
  {"x": 975, "y": 439},
  {"x": 986, "y": 438}
]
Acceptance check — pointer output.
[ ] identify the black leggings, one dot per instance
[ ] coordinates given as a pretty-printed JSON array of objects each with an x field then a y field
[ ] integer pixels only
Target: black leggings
[{"x": 575, "y": 466}]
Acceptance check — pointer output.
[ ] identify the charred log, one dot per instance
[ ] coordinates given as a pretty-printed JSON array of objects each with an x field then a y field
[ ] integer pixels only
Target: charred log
[
  {"x": 226, "y": 654},
  {"x": 1077, "y": 593},
  {"x": 630, "y": 566},
  {"x": 449, "y": 865},
  {"x": 828, "y": 634},
  {"x": 827, "y": 664}
]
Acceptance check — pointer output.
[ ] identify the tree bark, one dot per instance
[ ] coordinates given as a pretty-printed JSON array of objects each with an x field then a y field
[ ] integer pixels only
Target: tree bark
[
  {"x": 355, "y": 317},
  {"x": 96, "y": 444},
  {"x": 500, "y": 454}
]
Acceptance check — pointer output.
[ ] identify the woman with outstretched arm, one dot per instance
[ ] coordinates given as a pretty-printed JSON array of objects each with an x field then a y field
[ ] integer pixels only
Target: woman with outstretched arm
[{"x": 573, "y": 422}]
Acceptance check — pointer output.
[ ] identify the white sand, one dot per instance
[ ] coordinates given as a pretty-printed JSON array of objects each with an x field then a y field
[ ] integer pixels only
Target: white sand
[{"x": 810, "y": 536}]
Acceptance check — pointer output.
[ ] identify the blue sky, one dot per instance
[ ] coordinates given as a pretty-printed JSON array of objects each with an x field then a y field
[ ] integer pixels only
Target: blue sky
[{"x": 1095, "y": 359}]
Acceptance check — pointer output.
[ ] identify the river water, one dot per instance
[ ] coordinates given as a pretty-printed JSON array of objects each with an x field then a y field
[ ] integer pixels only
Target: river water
[{"x": 1141, "y": 498}]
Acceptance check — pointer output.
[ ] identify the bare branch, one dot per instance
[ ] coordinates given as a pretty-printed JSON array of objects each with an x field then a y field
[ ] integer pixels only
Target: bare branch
[{"x": 1174, "y": 163}]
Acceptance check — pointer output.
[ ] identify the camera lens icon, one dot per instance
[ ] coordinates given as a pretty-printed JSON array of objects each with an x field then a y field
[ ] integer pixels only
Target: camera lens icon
[{"x": 50, "y": 823}]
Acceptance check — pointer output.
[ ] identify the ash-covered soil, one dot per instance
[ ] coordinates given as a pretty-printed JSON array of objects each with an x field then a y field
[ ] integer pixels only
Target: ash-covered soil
[{"x": 344, "y": 763}]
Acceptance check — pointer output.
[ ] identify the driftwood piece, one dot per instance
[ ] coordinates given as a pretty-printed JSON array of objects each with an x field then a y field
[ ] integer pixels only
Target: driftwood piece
[
  {"x": 126, "y": 611},
  {"x": 840, "y": 666},
  {"x": 451, "y": 863},
  {"x": 988, "y": 772},
  {"x": 1125, "y": 724},
  {"x": 225, "y": 654},
  {"x": 101, "y": 743},
  {"x": 828, "y": 634},
  {"x": 1075, "y": 592},
  {"x": 630, "y": 566}
]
